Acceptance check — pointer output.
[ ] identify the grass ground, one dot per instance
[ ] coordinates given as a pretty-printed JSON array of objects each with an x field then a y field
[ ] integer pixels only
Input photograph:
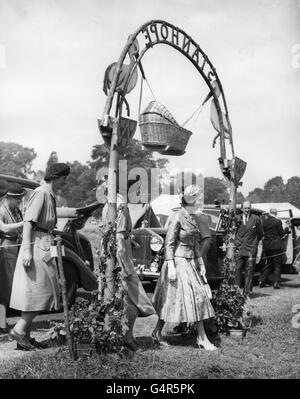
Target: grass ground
[{"x": 269, "y": 350}]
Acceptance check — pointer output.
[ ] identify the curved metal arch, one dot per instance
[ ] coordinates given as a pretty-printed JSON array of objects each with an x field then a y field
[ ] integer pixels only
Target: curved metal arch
[{"x": 122, "y": 57}]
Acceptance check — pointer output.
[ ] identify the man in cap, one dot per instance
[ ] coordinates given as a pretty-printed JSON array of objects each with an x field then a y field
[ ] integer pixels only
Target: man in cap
[
  {"x": 273, "y": 247},
  {"x": 249, "y": 233},
  {"x": 10, "y": 216}
]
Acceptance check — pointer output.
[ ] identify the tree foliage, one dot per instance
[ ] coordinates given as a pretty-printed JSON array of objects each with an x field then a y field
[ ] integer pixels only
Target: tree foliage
[
  {"x": 275, "y": 190},
  {"x": 53, "y": 158},
  {"x": 215, "y": 189},
  {"x": 16, "y": 160},
  {"x": 134, "y": 153}
]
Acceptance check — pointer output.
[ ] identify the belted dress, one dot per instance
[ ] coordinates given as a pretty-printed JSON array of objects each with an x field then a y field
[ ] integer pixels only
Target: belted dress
[
  {"x": 37, "y": 288},
  {"x": 10, "y": 244},
  {"x": 185, "y": 299}
]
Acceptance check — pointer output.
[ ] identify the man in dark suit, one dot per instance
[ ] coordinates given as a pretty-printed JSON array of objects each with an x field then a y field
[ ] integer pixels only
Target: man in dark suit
[
  {"x": 272, "y": 247},
  {"x": 248, "y": 235}
]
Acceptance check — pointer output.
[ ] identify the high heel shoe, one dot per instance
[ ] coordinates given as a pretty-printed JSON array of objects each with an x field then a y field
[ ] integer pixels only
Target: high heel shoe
[
  {"x": 208, "y": 346},
  {"x": 157, "y": 339}
]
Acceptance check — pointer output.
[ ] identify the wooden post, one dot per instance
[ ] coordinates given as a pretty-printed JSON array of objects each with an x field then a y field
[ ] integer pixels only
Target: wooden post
[
  {"x": 63, "y": 283},
  {"x": 112, "y": 208}
]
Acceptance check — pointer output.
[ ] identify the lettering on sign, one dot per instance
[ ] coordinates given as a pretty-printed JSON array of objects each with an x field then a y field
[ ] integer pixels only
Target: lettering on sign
[{"x": 162, "y": 32}]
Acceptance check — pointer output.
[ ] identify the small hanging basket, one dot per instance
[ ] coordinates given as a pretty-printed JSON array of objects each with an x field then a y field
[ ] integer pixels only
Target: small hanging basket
[{"x": 160, "y": 132}]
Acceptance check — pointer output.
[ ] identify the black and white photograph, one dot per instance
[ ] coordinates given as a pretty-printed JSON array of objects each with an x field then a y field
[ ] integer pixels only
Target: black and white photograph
[{"x": 149, "y": 192}]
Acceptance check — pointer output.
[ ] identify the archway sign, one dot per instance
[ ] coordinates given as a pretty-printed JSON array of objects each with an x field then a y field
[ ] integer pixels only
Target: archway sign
[{"x": 117, "y": 130}]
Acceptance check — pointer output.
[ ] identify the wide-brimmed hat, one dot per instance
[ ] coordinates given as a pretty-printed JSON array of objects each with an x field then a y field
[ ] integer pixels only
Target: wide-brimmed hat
[
  {"x": 15, "y": 190},
  {"x": 3, "y": 187}
]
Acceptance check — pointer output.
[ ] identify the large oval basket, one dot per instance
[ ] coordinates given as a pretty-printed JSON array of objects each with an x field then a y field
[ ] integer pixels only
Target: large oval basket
[{"x": 160, "y": 131}]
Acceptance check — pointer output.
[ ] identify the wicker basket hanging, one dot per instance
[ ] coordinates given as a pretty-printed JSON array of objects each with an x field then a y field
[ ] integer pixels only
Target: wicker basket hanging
[{"x": 160, "y": 132}]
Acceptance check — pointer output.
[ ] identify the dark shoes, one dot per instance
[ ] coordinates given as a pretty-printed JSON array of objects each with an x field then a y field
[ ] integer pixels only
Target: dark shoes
[
  {"x": 36, "y": 344},
  {"x": 22, "y": 341},
  {"x": 276, "y": 286},
  {"x": 133, "y": 345},
  {"x": 158, "y": 340}
]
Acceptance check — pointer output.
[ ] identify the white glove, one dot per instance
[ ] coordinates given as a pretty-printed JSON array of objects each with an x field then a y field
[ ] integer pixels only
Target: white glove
[
  {"x": 171, "y": 270},
  {"x": 201, "y": 266}
]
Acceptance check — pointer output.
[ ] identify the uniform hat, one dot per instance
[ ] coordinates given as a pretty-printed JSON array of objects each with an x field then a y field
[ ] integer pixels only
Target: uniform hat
[
  {"x": 15, "y": 190},
  {"x": 3, "y": 187},
  {"x": 57, "y": 170}
]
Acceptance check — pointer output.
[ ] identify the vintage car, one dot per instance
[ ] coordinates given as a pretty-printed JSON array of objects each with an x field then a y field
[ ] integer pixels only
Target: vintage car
[
  {"x": 149, "y": 236},
  {"x": 78, "y": 260}
]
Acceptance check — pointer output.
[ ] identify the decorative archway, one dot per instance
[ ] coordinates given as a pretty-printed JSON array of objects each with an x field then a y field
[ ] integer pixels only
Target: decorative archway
[
  {"x": 115, "y": 128},
  {"x": 157, "y": 32}
]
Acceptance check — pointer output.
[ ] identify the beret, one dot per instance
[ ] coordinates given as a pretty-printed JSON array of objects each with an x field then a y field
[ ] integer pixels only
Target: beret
[
  {"x": 57, "y": 170},
  {"x": 3, "y": 187},
  {"x": 15, "y": 190}
]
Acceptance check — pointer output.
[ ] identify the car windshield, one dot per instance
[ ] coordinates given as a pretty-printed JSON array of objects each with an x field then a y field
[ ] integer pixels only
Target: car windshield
[{"x": 213, "y": 217}]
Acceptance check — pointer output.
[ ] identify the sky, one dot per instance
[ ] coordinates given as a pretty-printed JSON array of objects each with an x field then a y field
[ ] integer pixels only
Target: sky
[{"x": 53, "y": 55}]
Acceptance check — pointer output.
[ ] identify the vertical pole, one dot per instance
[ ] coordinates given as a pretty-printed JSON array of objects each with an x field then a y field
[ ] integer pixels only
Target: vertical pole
[
  {"x": 112, "y": 208},
  {"x": 64, "y": 297}
]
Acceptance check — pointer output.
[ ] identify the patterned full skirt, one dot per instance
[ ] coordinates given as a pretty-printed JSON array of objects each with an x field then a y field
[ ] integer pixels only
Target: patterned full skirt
[{"x": 184, "y": 300}]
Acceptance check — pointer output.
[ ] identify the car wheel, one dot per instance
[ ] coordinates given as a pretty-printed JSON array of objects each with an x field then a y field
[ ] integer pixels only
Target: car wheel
[{"x": 71, "y": 276}]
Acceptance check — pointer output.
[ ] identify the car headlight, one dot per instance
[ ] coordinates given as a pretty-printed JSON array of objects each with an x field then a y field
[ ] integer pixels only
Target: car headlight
[
  {"x": 154, "y": 267},
  {"x": 156, "y": 243}
]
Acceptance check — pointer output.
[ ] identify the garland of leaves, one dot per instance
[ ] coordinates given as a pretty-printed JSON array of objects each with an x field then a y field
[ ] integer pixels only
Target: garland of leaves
[
  {"x": 99, "y": 321},
  {"x": 228, "y": 301}
]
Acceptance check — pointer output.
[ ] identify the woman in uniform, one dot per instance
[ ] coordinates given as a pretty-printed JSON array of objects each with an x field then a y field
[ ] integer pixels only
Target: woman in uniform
[
  {"x": 179, "y": 294},
  {"x": 10, "y": 215},
  {"x": 137, "y": 303},
  {"x": 35, "y": 284}
]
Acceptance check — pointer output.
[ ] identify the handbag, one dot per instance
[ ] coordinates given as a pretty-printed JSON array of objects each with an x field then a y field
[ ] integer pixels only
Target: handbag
[{"x": 207, "y": 287}]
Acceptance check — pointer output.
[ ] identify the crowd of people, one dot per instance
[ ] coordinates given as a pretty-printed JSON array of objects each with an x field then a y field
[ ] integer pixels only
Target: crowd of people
[{"x": 28, "y": 272}]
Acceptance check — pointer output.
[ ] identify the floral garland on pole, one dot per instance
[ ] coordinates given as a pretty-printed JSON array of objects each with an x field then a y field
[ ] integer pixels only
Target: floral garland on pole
[
  {"x": 97, "y": 321},
  {"x": 228, "y": 301}
]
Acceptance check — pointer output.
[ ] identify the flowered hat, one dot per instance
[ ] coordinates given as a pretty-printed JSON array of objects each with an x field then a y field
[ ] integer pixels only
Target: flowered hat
[{"x": 192, "y": 194}]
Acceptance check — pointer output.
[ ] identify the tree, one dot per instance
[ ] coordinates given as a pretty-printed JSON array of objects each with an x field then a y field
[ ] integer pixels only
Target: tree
[
  {"x": 52, "y": 159},
  {"x": 256, "y": 195},
  {"x": 16, "y": 160},
  {"x": 136, "y": 157},
  {"x": 274, "y": 190},
  {"x": 215, "y": 189},
  {"x": 293, "y": 190},
  {"x": 239, "y": 197},
  {"x": 78, "y": 188},
  {"x": 134, "y": 153}
]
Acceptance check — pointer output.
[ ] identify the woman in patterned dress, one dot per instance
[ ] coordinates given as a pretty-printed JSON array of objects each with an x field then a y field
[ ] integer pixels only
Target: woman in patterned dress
[
  {"x": 180, "y": 295},
  {"x": 35, "y": 284}
]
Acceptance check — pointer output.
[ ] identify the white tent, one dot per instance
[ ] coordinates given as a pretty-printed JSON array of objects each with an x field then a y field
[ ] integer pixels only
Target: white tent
[{"x": 163, "y": 204}]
